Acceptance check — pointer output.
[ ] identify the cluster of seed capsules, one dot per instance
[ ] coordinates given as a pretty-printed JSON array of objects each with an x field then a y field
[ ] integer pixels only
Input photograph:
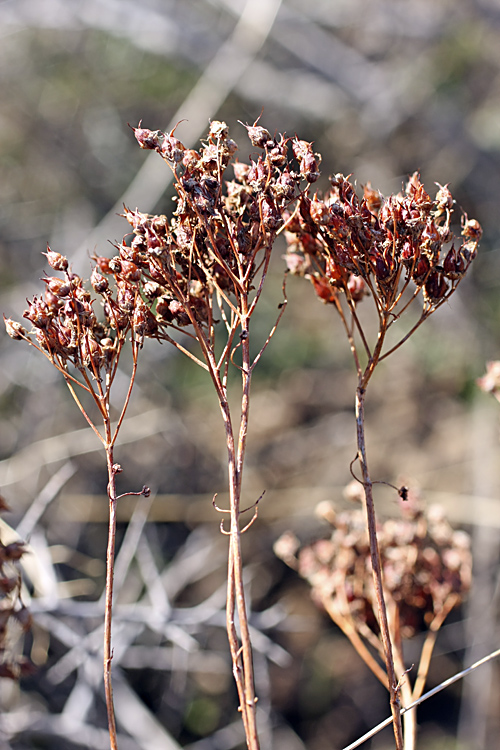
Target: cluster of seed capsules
[
  {"x": 67, "y": 327},
  {"x": 222, "y": 231},
  {"x": 426, "y": 567},
  {"x": 380, "y": 246},
  {"x": 166, "y": 271}
]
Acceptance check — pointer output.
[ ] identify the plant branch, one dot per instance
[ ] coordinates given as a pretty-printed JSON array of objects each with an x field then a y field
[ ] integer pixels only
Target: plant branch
[{"x": 377, "y": 569}]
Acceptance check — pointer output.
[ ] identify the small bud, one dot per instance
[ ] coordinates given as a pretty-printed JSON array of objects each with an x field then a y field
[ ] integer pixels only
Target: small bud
[
  {"x": 56, "y": 261},
  {"x": 271, "y": 216},
  {"x": 258, "y": 135},
  {"x": 115, "y": 265},
  {"x": 471, "y": 229},
  {"x": 15, "y": 330},
  {"x": 102, "y": 264},
  {"x": 177, "y": 310},
  {"x": 218, "y": 130},
  {"x": 147, "y": 139},
  {"x": 373, "y": 198},
  {"x": 241, "y": 171},
  {"x": 38, "y": 313},
  {"x": 172, "y": 149},
  {"x": 454, "y": 265},
  {"x": 125, "y": 298},
  {"x": 151, "y": 290},
  {"x": 435, "y": 287},
  {"x": 356, "y": 287},
  {"x": 444, "y": 198},
  {"x": 190, "y": 158},
  {"x": 91, "y": 352},
  {"x": 143, "y": 322},
  {"x": 58, "y": 287},
  {"x": 130, "y": 271},
  {"x": 99, "y": 282},
  {"x": 320, "y": 213}
]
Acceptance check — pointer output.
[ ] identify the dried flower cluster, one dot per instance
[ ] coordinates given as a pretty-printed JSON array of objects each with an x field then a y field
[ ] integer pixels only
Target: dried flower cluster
[
  {"x": 426, "y": 569},
  {"x": 380, "y": 245},
  {"x": 207, "y": 262},
  {"x": 14, "y": 616},
  {"x": 220, "y": 236},
  {"x": 69, "y": 331}
]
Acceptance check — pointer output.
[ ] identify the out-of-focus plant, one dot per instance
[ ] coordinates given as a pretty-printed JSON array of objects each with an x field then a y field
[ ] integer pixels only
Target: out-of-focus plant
[
  {"x": 426, "y": 568},
  {"x": 400, "y": 251},
  {"x": 490, "y": 381},
  {"x": 14, "y": 615}
]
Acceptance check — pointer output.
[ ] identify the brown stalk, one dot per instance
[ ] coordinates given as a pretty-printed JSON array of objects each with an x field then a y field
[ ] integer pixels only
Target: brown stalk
[
  {"x": 94, "y": 357},
  {"x": 108, "y": 605},
  {"x": 377, "y": 568}
]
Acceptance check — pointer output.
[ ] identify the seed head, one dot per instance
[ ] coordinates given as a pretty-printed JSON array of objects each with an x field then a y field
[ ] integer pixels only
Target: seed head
[
  {"x": 56, "y": 261},
  {"x": 15, "y": 330},
  {"x": 259, "y": 136},
  {"x": 147, "y": 139}
]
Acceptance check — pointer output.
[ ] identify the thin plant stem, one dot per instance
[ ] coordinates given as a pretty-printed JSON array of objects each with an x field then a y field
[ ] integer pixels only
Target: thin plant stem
[
  {"x": 350, "y": 631},
  {"x": 377, "y": 569},
  {"x": 241, "y": 656},
  {"x": 108, "y": 607}
]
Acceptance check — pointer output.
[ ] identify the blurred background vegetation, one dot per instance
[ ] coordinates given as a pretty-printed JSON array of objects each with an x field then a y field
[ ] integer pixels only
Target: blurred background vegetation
[{"x": 383, "y": 89}]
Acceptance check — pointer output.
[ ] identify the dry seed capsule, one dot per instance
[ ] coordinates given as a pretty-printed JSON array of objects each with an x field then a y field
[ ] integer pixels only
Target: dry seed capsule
[
  {"x": 56, "y": 261},
  {"x": 38, "y": 313},
  {"x": 15, "y": 330},
  {"x": 147, "y": 139},
  {"x": 172, "y": 149},
  {"x": 58, "y": 287},
  {"x": 258, "y": 135},
  {"x": 218, "y": 129},
  {"x": 99, "y": 282},
  {"x": 472, "y": 229}
]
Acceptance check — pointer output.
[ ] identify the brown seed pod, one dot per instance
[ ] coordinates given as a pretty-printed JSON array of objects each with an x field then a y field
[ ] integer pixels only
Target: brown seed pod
[
  {"x": 56, "y": 261},
  {"x": 15, "y": 330},
  {"x": 58, "y": 287},
  {"x": 100, "y": 284},
  {"x": 147, "y": 139}
]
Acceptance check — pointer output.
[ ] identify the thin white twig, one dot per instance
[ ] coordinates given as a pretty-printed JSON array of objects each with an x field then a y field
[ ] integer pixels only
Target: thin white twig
[{"x": 423, "y": 698}]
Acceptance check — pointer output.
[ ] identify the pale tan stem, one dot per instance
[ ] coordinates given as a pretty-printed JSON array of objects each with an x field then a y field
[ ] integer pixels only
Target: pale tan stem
[{"x": 350, "y": 631}]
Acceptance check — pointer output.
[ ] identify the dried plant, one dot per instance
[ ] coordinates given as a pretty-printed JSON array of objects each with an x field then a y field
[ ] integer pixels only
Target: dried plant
[
  {"x": 201, "y": 273},
  {"x": 86, "y": 350},
  {"x": 397, "y": 250},
  {"x": 426, "y": 568},
  {"x": 14, "y": 615},
  {"x": 193, "y": 278}
]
